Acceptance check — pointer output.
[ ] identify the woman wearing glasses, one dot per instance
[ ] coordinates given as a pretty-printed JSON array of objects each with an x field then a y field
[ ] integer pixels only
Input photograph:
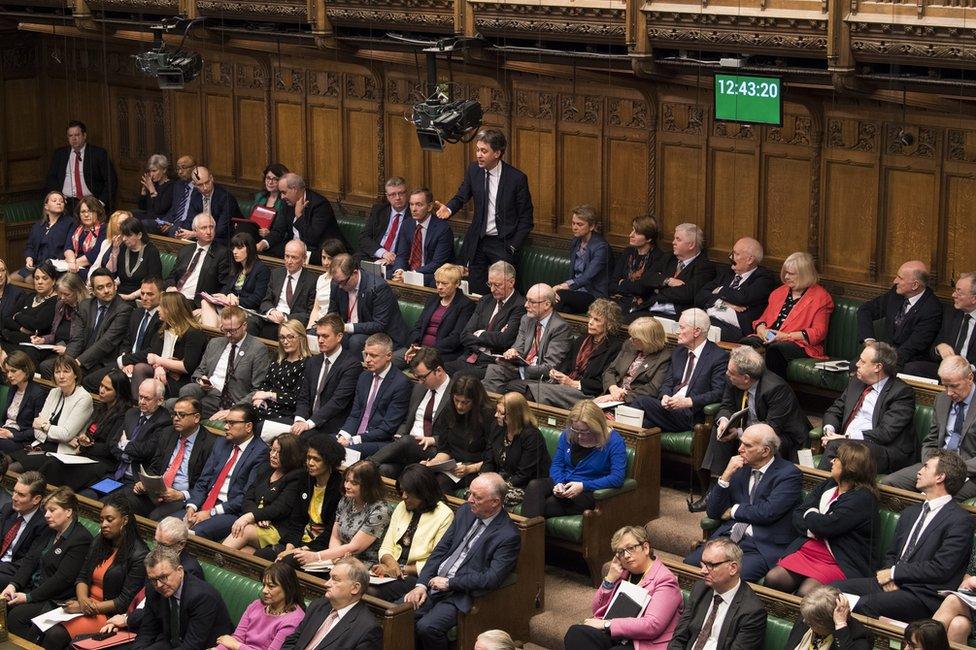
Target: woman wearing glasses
[
  {"x": 633, "y": 561},
  {"x": 278, "y": 394},
  {"x": 270, "y": 197}
]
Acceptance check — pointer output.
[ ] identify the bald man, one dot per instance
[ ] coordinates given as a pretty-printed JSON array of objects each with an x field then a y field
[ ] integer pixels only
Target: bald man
[
  {"x": 307, "y": 216},
  {"x": 208, "y": 196},
  {"x": 911, "y": 311},
  {"x": 738, "y": 295}
]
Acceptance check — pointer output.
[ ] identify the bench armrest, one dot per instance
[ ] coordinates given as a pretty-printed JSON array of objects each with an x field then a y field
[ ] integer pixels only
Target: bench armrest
[{"x": 711, "y": 409}]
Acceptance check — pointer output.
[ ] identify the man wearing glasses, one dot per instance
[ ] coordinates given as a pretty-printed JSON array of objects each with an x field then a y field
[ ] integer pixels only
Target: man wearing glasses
[
  {"x": 233, "y": 367},
  {"x": 378, "y": 239},
  {"x": 366, "y": 305}
]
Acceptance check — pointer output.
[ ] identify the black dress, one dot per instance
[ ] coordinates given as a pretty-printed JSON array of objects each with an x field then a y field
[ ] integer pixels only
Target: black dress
[
  {"x": 37, "y": 318},
  {"x": 276, "y": 502},
  {"x": 524, "y": 459},
  {"x": 105, "y": 430},
  {"x": 131, "y": 271},
  {"x": 285, "y": 379},
  {"x": 463, "y": 441},
  {"x": 189, "y": 348}
]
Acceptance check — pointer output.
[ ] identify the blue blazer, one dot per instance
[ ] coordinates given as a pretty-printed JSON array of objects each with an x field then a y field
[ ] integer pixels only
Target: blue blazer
[
  {"x": 14, "y": 299},
  {"x": 449, "y": 332},
  {"x": 255, "y": 285},
  {"x": 707, "y": 382},
  {"x": 42, "y": 247},
  {"x": 438, "y": 247},
  {"x": 602, "y": 468},
  {"x": 246, "y": 470},
  {"x": 93, "y": 251},
  {"x": 771, "y": 510},
  {"x": 389, "y": 406},
  {"x": 595, "y": 276},
  {"x": 376, "y": 307},
  {"x": 30, "y": 408},
  {"x": 489, "y": 562}
]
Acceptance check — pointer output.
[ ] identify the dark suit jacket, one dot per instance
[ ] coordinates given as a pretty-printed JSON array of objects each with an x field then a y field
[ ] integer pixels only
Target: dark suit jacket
[
  {"x": 376, "y": 306},
  {"x": 777, "y": 406},
  {"x": 97, "y": 171},
  {"x": 640, "y": 287},
  {"x": 941, "y": 554},
  {"x": 853, "y": 637},
  {"x": 102, "y": 348},
  {"x": 696, "y": 275},
  {"x": 892, "y": 422},
  {"x": 58, "y": 564},
  {"x": 123, "y": 579},
  {"x": 591, "y": 380},
  {"x": 174, "y": 215},
  {"x": 214, "y": 272},
  {"x": 371, "y": 238},
  {"x": 937, "y": 435},
  {"x": 142, "y": 444},
  {"x": 595, "y": 277},
  {"x": 154, "y": 452},
  {"x": 849, "y": 526},
  {"x": 203, "y": 617},
  {"x": 12, "y": 300},
  {"x": 254, "y": 288},
  {"x": 503, "y": 331},
  {"x": 389, "y": 406},
  {"x": 744, "y": 627},
  {"x": 43, "y": 244},
  {"x": 303, "y": 294},
  {"x": 327, "y": 515},
  {"x": 416, "y": 395},
  {"x": 223, "y": 208},
  {"x": 948, "y": 334},
  {"x": 318, "y": 223},
  {"x": 771, "y": 510},
  {"x": 449, "y": 332},
  {"x": 357, "y": 630},
  {"x": 753, "y": 294},
  {"x": 35, "y": 531},
  {"x": 337, "y": 394},
  {"x": 246, "y": 470},
  {"x": 135, "y": 319},
  {"x": 513, "y": 207},
  {"x": 488, "y": 563},
  {"x": 918, "y": 329},
  {"x": 707, "y": 383},
  {"x": 438, "y": 247},
  {"x": 30, "y": 408}
]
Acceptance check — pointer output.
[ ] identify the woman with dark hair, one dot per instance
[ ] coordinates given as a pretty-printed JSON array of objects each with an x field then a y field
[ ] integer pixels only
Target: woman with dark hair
[
  {"x": 517, "y": 450},
  {"x": 270, "y": 515},
  {"x": 461, "y": 431},
  {"x": 70, "y": 290},
  {"x": 100, "y": 441},
  {"x": 113, "y": 573},
  {"x": 361, "y": 519},
  {"x": 175, "y": 351},
  {"x": 925, "y": 634},
  {"x": 85, "y": 240},
  {"x": 590, "y": 262},
  {"x": 139, "y": 259},
  {"x": 323, "y": 285},
  {"x": 837, "y": 522},
  {"x": 268, "y": 621},
  {"x": 25, "y": 399},
  {"x": 247, "y": 284},
  {"x": 417, "y": 524},
  {"x": 270, "y": 197},
  {"x": 47, "y": 236},
  {"x": 37, "y": 314},
  {"x": 630, "y": 279},
  {"x": 47, "y": 575}
]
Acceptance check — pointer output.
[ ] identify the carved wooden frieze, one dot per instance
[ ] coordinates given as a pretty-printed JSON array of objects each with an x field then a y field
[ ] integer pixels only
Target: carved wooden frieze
[
  {"x": 419, "y": 13},
  {"x": 796, "y": 129},
  {"x": 917, "y": 142},
  {"x": 404, "y": 91},
  {"x": 563, "y": 19},
  {"x": 289, "y": 80},
  {"x": 854, "y": 135},
  {"x": 360, "y": 87},
  {"x": 929, "y": 42},
  {"x": 534, "y": 105},
  {"x": 218, "y": 73},
  {"x": 582, "y": 109},
  {"x": 776, "y": 32},
  {"x": 19, "y": 60},
  {"x": 731, "y": 130},
  {"x": 252, "y": 77},
  {"x": 627, "y": 112},
  {"x": 265, "y": 8},
  {"x": 122, "y": 115},
  {"x": 154, "y": 6},
  {"x": 687, "y": 119},
  {"x": 323, "y": 84},
  {"x": 142, "y": 130},
  {"x": 961, "y": 145}
]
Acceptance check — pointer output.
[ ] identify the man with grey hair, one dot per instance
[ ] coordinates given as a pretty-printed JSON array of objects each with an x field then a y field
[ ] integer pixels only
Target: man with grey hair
[
  {"x": 738, "y": 294},
  {"x": 502, "y": 209},
  {"x": 214, "y": 199},
  {"x": 911, "y": 312},
  {"x": 307, "y": 216},
  {"x": 877, "y": 409},
  {"x": 953, "y": 426},
  {"x": 956, "y": 334},
  {"x": 542, "y": 343},
  {"x": 377, "y": 242},
  {"x": 203, "y": 266},
  {"x": 477, "y": 553},
  {"x": 494, "y": 325},
  {"x": 290, "y": 294},
  {"x": 686, "y": 271},
  {"x": 754, "y": 499}
]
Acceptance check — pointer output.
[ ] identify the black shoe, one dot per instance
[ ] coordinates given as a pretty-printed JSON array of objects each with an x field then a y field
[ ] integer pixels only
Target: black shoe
[{"x": 698, "y": 505}]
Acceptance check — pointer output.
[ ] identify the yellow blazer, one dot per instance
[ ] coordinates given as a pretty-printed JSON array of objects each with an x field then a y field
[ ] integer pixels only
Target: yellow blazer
[{"x": 431, "y": 528}]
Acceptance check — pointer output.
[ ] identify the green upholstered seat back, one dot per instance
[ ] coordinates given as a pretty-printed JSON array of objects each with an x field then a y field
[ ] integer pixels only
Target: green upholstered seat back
[
  {"x": 887, "y": 521},
  {"x": 411, "y": 312},
  {"x": 168, "y": 261},
  {"x": 551, "y": 436},
  {"x": 350, "y": 227},
  {"x": 923, "y": 420},
  {"x": 90, "y": 524},
  {"x": 842, "y": 333},
  {"x": 541, "y": 264},
  {"x": 237, "y": 591},
  {"x": 22, "y": 211}
]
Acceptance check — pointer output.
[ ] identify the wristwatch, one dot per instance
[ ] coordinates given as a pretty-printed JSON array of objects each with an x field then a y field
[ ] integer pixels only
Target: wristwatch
[{"x": 606, "y": 626}]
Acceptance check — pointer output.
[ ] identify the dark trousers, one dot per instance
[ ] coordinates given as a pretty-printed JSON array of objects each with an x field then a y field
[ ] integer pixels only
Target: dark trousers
[
  {"x": 584, "y": 637},
  {"x": 928, "y": 369},
  {"x": 541, "y": 502},
  {"x": 574, "y": 302},
  {"x": 262, "y": 328},
  {"x": 393, "y": 591},
  {"x": 392, "y": 458},
  {"x": 488, "y": 251},
  {"x": 899, "y": 604},
  {"x": 730, "y": 333},
  {"x": 146, "y": 507},
  {"x": 656, "y": 415},
  {"x": 460, "y": 367},
  {"x": 434, "y": 619},
  {"x": 19, "y": 619},
  {"x": 779, "y": 355}
]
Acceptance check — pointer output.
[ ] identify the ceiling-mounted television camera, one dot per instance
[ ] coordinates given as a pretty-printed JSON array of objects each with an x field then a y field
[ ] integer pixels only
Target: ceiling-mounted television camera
[{"x": 171, "y": 68}]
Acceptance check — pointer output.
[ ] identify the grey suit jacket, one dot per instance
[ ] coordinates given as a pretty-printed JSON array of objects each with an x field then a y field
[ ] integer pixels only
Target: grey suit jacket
[
  {"x": 553, "y": 347},
  {"x": 418, "y": 394},
  {"x": 103, "y": 350},
  {"x": 938, "y": 432},
  {"x": 651, "y": 374},
  {"x": 250, "y": 367}
]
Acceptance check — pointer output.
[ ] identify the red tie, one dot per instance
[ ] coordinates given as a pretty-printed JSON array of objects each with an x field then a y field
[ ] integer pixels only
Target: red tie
[
  {"x": 534, "y": 350},
  {"x": 78, "y": 191},
  {"x": 8, "y": 539},
  {"x": 429, "y": 416},
  {"x": 388, "y": 244},
  {"x": 211, "y": 499},
  {"x": 289, "y": 292},
  {"x": 174, "y": 467},
  {"x": 417, "y": 248},
  {"x": 857, "y": 407}
]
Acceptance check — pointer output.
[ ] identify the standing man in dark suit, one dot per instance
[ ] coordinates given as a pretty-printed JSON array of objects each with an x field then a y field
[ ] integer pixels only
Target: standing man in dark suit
[
  {"x": 722, "y": 610},
  {"x": 877, "y": 409},
  {"x": 911, "y": 311},
  {"x": 22, "y": 524},
  {"x": 213, "y": 199},
  {"x": 382, "y": 395},
  {"x": 684, "y": 274},
  {"x": 931, "y": 550},
  {"x": 182, "y": 611},
  {"x": 754, "y": 498},
  {"x": 953, "y": 426},
  {"x": 956, "y": 333},
  {"x": 366, "y": 303},
  {"x": 477, "y": 553},
  {"x": 203, "y": 266},
  {"x": 98, "y": 327},
  {"x": 436, "y": 245},
  {"x": 291, "y": 293},
  {"x": 494, "y": 325},
  {"x": 738, "y": 294},
  {"x": 340, "y": 621},
  {"x": 502, "y": 209},
  {"x": 217, "y": 497},
  {"x": 377, "y": 241},
  {"x": 308, "y": 216},
  {"x": 329, "y": 384},
  {"x": 81, "y": 169}
]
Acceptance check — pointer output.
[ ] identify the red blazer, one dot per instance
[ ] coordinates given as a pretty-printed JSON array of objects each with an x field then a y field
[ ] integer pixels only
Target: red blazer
[
  {"x": 654, "y": 629},
  {"x": 811, "y": 314}
]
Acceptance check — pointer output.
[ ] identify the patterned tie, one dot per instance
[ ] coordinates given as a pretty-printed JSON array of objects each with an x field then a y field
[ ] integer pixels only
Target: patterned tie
[
  {"x": 183, "y": 204},
  {"x": 706, "y": 630},
  {"x": 211, "y": 499},
  {"x": 368, "y": 412},
  {"x": 79, "y": 191},
  {"x": 736, "y": 281},
  {"x": 857, "y": 407},
  {"x": 126, "y": 460},
  {"x": 900, "y": 316},
  {"x": 534, "y": 350},
  {"x": 739, "y": 528},
  {"x": 913, "y": 540},
  {"x": 391, "y": 237},
  {"x": 8, "y": 539},
  {"x": 289, "y": 291},
  {"x": 189, "y": 269},
  {"x": 226, "y": 401},
  {"x": 632, "y": 371},
  {"x": 417, "y": 248}
]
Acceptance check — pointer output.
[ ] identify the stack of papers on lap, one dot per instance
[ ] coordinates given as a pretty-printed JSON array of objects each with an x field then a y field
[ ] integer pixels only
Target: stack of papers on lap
[
  {"x": 629, "y": 601},
  {"x": 49, "y": 619},
  {"x": 321, "y": 566}
]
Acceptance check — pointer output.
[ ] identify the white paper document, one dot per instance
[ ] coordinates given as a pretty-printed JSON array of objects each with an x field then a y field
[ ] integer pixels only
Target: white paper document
[
  {"x": 49, "y": 619},
  {"x": 272, "y": 429},
  {"x": 352, "y": 456},
  {"x": 629, "y": 415},
  {"x": 68, "y": 459},
  {"x": 321, "y": 565},
  {"x": 377, "y": 580},
  {"x": 413, "y": 278}
]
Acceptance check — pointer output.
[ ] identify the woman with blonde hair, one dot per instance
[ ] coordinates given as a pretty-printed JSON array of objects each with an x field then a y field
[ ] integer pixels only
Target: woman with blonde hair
[
  {"x": 442, "y": 320},
  {"x": 71, "y": 290},
  {"x": 590, "y": 456},
  {"x": 111, "y": 246},
  {"x": 516, "y": 451},
  {"x": 278, "y": 394},
  {"x": 175, "y": 351},
  {"x": 642, "y": 366}
]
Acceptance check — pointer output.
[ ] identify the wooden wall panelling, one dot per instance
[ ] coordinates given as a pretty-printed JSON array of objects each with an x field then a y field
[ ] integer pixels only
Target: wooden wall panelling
[
  {"x": 220, "y": 126},
  {"x": 404, "y": 157},
  {"x": 252, "y": 118},
  {"x": 184, "y": 110},
  {"x": 325, "y": 159},
  {"x": 680, "y": 194},
  {"x": 533, "y": 139},
  {"x": 630, "y": 164},
  {"x": 580, "y": 166},
  {"x": 732, "y": 186},
  {"x": 362, "y": 136},
  {"x": 956, "y": 211},
  {"x": 23, "y": 154},
  {"x": 289, "y": 121}
]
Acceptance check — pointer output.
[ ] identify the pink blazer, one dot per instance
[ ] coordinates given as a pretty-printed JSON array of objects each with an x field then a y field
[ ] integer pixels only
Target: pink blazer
[
  {"x": 653, "y": 630},
  {"x": 811, "y": 314}
]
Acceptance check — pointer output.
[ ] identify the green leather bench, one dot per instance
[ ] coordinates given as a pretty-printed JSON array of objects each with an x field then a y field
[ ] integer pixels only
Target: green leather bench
[
  {"x": 351, "y": 228},
  {"x": 22, "y": 211},
  {"x": 688, "y": 447},
  {"x": 841, "y": 344},
  {"x": 411, "y": 312},
  {"x": 542, "y": 264},
  {"x": 168, "y": 261}
]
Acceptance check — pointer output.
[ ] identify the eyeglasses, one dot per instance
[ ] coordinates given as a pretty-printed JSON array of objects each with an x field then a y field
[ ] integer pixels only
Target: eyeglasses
[
  {"x": 160, "y": 579},
  {"x": 711, "y": 566},
  {"x": 424, "y": 376},
  {"x": 269, "y": 177},
  {"x": 287, "y": 337},
  {"x": 495, "y": 285},
  {"x": 230, "y": 422},
  {"x": 535, "y": 302},
  {"x": 232, "y": 329},
  {"x": 627, "y": 550},
  {"x": 579, "y": 432},
  {"x": 180, "y": 416}
]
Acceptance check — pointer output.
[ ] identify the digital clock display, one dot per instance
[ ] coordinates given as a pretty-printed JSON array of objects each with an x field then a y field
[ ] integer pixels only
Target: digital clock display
[{"x": 740, "y": 98}]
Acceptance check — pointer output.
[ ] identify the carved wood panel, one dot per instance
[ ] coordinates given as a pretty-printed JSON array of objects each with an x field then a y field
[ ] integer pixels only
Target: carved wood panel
[{"x": 960, "y": 253}]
